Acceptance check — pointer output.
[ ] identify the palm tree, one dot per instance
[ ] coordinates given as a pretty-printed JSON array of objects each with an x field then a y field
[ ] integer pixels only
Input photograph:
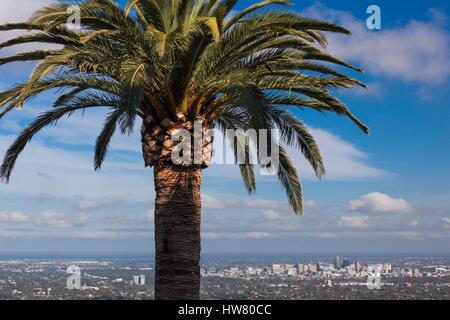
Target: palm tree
[{"x": 169, "y": 63}]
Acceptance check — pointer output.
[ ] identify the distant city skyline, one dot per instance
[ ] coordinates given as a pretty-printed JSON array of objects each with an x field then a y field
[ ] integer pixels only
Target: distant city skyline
[{"x": 272, "y": 278}]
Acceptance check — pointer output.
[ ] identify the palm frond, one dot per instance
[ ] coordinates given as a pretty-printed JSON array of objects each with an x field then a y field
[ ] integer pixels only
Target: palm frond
[
  {"x": 102, "y": 143},
  {"x": 290, "y": 181},
  {"x": 294, "y": 133}
]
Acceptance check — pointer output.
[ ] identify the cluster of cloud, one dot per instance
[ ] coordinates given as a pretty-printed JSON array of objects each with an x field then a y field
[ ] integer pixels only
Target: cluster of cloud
[
  {"x": 20, "y": 10},
  {"x": 87, "y": 205},
  {"x": 343, "y": 160},
  {"x": 65, "y": 172},
  {"x": 222, "y": 202},
  {"x": 49, "y": 218},
  {"x": 418, "y": 52},
  {"x": 236, "y": 235},
  {"x": 380, "y": 203},
  {"x": 446, "y": 222},
  {"x": 354, "y": 222},
  {"x": 374, "y": 215},
  {"x": 13, "y": 12},
  {"x": 55, "y": 219},
  {"x": 96, "y": 222},
  {"x": 13, "y": 216}
]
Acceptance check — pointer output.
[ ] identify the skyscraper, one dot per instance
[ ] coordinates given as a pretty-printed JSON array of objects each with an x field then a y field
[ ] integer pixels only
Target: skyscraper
[
  {"x": 318, "y": 267},
  {"x": 337, "y": 263},
  {"x": 139, "y": 280}
]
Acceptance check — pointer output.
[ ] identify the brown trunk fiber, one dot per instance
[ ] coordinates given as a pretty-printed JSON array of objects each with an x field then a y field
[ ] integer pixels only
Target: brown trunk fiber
[{"x": 177, "y": 232}]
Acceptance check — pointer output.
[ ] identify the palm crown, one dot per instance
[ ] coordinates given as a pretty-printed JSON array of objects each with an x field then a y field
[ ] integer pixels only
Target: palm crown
[{"x": 198, "y": 58}]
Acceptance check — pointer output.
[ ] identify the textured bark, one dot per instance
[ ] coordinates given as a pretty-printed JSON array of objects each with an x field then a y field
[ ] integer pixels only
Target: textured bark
[
  {"x": 159, "y": 140},
  {"x": 177, "y": 232}
]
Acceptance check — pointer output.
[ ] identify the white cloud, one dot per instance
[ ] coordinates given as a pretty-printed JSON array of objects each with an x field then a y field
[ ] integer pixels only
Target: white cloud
[
  {"x": 87, "y": 125},
  {"x": 261, "y": 203},
  {"x": 446, "y": 222},
  {"x": 210, "y": 235},
  {"x": 334, "y": 221},
  {"x": 116, "y": 218},
  {"x": 77, "y": 234},
  {"x": 354, "y": 222},
  {"x": 414, "y": 223},
  {"x": 273, "y": 210},
  {"x": 54, "y": 219},
  {"x": 271, "y": 214},
  {"x": 411, "y": 235},
  {"x": 209, "y": 202},
  {"x": 149, "y": 216},
  {"x": 13, "y": 216},
  {"x": 18, "y": 11},
  {"x": 343, "y": 161},
  {"x": 224, "y": 202},
  {"x": 257, "y": 235},
  {"x": 86, "y": 205},
  {"x": 74, "y": 174},
  {"x": 124, "y": 218},
  {"x": 416, "y": 52},
  {"x": 377, "y": 202},
  {"x": 311, "y": 205},
  {"x": 236, "y": 235}
]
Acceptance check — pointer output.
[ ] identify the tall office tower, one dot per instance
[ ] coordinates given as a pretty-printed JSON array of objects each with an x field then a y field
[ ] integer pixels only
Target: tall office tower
[
  {"x": 337, "y": 263},
  {"x": 136, "y": 280},
  {"x": 142, "y": 279},
  {"x": 318, "y": 267},
  {"x": 387, "y": 268},
  {"x": 305, "y": 268}
]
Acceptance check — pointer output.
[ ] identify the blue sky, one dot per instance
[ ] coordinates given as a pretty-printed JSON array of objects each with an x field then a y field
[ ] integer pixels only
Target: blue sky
[{"x": 387, "y": 192}]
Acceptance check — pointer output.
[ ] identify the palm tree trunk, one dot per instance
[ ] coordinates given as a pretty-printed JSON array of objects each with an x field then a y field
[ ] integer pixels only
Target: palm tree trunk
[{"x": 177, "y": 232}]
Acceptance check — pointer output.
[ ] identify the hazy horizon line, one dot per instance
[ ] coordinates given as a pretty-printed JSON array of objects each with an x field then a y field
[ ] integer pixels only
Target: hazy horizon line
[{"x": 228, "y": 253}]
